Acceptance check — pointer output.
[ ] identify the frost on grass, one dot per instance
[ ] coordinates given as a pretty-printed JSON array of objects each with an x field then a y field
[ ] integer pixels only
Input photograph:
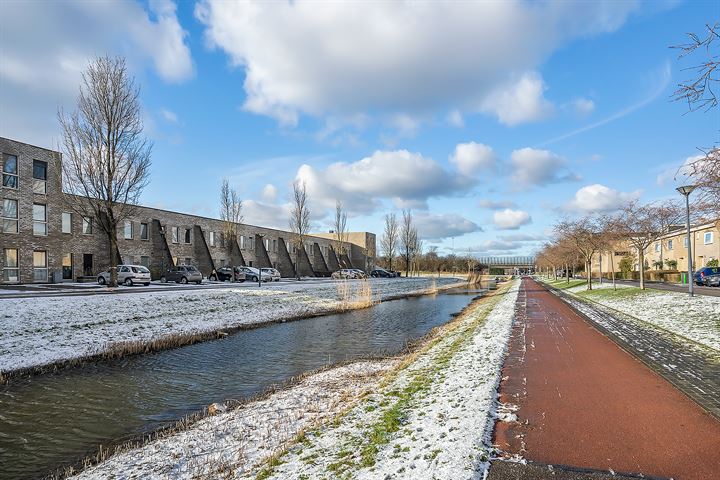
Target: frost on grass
[
  {"x": 234, "y": 443},
  {"x": 430, "y": 421},
  {"x": 41, "y": 331},
  {"x": 696, "y": 318}
]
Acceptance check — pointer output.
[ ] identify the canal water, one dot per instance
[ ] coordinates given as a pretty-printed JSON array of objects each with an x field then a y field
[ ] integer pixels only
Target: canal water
[{"x": 54, "y": 420}]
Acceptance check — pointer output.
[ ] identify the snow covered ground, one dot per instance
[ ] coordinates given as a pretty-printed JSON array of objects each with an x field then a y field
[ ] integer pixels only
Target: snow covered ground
[
  {"x": 696, "y": 318},
  {"x": 428, "y": 417},
  {"x": 41, "y": 331}
]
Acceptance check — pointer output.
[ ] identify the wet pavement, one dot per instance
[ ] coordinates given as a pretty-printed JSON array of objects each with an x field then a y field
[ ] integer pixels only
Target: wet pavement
[{"x": 585, "y": 403}]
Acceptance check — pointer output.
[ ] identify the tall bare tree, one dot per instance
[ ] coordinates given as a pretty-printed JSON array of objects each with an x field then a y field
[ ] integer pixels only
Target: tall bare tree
[
  {"x": 107, "y": 157},
  {"x": 408, "y": 238},
  {"x": 299, "y": 221},
  {"x": 389, "y": 240},
  {"x": 584, "y": 235},
  {"x": 230, "y": 214},
  {"x": 341, "y": 234}
]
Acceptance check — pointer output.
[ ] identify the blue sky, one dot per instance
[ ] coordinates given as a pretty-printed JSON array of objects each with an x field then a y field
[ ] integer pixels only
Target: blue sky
[{"x": 489, "y": 120}]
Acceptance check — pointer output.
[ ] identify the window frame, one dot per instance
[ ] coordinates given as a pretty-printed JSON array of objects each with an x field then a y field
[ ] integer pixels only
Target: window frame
[
  {"x": 211, "y": 238},
  {"x": 42, "y": 223},
  {"x": 40, "y": 184},
  {"x": 707, "y": 235},
  {"x": 175, "y": 235},
  {"x": 7, "y": 174},
  {"x": 126, "y": 225},
  {"x": 5, "y": 218},
  {"x": 144, "y": 227},
  {"x": 87, "y": 225},
  {"x": 6, "y": 268},
  {"x": 187, "y": 237},
  {"x": 43, "y": 269},
  {"x": 670, "y": 245},
  {"x": 64, "y": 215}
]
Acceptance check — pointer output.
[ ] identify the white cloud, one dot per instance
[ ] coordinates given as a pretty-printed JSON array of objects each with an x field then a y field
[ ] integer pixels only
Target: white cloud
[
  {"x": 269, "y": 193},
  {"x": 456, "y": 119},
  {"x": 169, "y": 115},
  {"x": 523, "y": 237},
  {"x": 55, "y": 40},
  {"x": 538, "y": 167},
  {"x": 521, "y": 101},
  {"x": 472, "y": 158},
  {"x": 496, "y": 204},
  {"x": 678, "y": 174},
  {"x": 493, "y": 246},
  {"x": 599, "y": 198},
  {"x": 408, "y": 178},
  {"x": 444, "y": 225},
  {"x": 583, "y": 106},
  {"x": 511, "y": 219},
  {"x": 266, "y": 214},
  {"x": 398, "y": 57}
]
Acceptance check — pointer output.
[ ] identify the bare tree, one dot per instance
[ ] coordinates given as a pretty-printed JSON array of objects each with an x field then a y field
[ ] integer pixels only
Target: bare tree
[
  {"x": 230, "y": 214},
  {"x": 299, "y": 221},
  {"x": 642, "y": 224},
  {"x": 107, "y": 158},
  {"x": 584, "y": 235},
  {"x": 389, "y": 240},
  {"x": 341, "y": 234},
  {"x": 408, "y": 238}
]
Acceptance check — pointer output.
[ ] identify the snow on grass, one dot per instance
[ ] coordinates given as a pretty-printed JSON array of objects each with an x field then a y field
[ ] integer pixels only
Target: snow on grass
[
  {"x": 235, "y": 442},
  {"x": 429, "y": 421},
  {"x": 696, "y": 318},
  {"x": 41, "y": 331}
]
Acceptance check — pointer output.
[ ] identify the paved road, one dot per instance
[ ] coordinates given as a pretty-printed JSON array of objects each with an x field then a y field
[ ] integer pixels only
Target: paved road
[
  {"x": 673, "y": 287},
  {"x": 584, "y": 402}
]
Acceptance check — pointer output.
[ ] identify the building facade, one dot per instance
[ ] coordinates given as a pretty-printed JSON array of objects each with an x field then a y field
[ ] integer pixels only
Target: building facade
[{"x": 43, "y": 239}]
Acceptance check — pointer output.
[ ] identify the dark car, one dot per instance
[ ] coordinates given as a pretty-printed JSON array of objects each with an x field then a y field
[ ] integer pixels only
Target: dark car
[
  {"x": 706, "y": 276},
  {"x": 382, "y": 273},
  {"x": 224, "y": 274},
  {"x": 182, "y": 274}
]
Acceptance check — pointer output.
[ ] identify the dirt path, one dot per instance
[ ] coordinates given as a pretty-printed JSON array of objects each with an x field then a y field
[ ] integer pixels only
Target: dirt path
[{"x": 586, "y": 403}]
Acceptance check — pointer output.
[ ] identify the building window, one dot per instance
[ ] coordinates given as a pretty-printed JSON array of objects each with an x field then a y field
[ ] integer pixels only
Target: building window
[
  {"x": 211, "y": 237},
  {"x": 685, "y": 240},
  {"x": 188, "y": 261},
  {"x": 145, "y": 261},
  {"x": 670, "y": 244},
  {"x": 242, "y": 242},
  {"x": 128, "y": 230},
  {"x": 39, "y": 177},
  {"x": 274, "y": 245},
  {"x": 708, "y": 238},
  {"x": 10, "y": 269},
  {"x": 144, "y": 234},
  {"x": 39, "y": 219},
  {"x": 87, "y": 226},
  {"x": 66, "y": 222},
  {"x": 67, "y": 266},
  {"x": 222, "y": 240},
  {"x": 40, "y": 269},
  {"x": 10, "y": 171},
  {"x": 657, "y": 246},
  {"x": 187, "y": 235},
  {"x": 175, "y": 235},
  {"x": 9, "y": 215}
]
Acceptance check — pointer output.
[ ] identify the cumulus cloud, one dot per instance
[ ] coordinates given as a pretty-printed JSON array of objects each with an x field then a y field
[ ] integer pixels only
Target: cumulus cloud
[
  {"x": 677, "y": 174},
  {"x": 531, "y": 167},
  {"x": 472, "y": 158},
  {"x": 55, "y": 40},
  {"x": 398, "y": 57},
  {"x": 521, "y": 101},
  {"x": 266, "y": 214},
  {"x": 496, "y": 204},
  {"x": 494, "y": 247},
  {"x": 455, "y": 118},
  {"x": 269, "y": 193},
  {"x": 511, "y": 219},
  {"x": 599, "y": 198},
  {"x": 583, "y": 106},
  {"x": 444, "y": 225},
  {"x": 405, "y": 177}
]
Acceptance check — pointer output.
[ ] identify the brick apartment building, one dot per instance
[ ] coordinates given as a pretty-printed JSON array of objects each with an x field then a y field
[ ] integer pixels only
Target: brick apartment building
[{"x": 42, "y": 239}]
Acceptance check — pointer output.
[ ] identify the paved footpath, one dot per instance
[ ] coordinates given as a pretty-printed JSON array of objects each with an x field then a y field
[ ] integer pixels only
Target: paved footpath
[{"x": 585, "y": 403}]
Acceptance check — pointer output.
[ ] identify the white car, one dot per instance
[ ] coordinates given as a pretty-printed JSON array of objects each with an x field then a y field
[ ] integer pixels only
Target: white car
[
  {"x": 127, "y": 275},
  {"x": 274, "y": 274},
  {"x": 252, "y": 274}
]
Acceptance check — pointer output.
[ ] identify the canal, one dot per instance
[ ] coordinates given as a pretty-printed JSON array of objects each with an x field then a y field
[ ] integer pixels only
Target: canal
[{"x": 54, "y": 420}]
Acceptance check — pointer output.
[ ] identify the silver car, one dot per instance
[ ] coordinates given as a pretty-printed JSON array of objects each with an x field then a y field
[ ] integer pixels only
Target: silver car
[
  {"x": 127, "y": 275},
  {"x": 252, "y": 274},
  {"x": 183, "y": 274},
  {"x": 274, "y": 274}
]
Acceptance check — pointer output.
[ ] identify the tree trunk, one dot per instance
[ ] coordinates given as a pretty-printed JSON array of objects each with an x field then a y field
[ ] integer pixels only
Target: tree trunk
[
  {"x": 612, "y": 267},
  {"x": 297, "y": 264},
  {"x": 600, "y": 267},
  {"x": 112, "y": 240},
  {"x": 588, "y": 267},
  {"x": 641, "y": 266}
]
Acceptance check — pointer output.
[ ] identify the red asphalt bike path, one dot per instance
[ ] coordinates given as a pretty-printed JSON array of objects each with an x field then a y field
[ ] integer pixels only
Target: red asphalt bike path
[{"x": 584, "y": 402}]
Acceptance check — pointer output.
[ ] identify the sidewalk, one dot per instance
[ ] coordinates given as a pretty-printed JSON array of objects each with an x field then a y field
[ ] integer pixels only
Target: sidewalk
[{"x": 584, "y": 402}]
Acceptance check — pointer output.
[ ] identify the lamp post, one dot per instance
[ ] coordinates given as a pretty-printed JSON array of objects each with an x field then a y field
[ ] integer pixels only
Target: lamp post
[{"x": 685, "y": 191}]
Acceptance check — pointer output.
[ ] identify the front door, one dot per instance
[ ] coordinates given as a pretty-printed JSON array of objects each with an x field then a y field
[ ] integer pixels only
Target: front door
[
  {"x": 67, "y": 266},
  {"x": 88, "y": 264}
]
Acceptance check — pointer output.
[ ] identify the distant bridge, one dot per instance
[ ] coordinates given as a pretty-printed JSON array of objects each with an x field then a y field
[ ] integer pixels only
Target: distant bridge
[{"x": 522, "y": 264}]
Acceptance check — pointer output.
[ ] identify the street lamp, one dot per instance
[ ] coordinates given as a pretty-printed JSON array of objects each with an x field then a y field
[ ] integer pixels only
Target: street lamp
[{"x": 685, "y": 191}]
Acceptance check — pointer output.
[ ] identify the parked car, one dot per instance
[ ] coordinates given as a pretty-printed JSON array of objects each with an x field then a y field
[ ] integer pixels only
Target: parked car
[
  {"x": 359, "y": 273},
  {"x": 703, "y": 275},
  {"x": 182, "y": 274},
  {"x": 252, "y": 274},
  {"x": 345, "y": 273},
  {"x": 274, "y": 274},
  {"x": 225, "y": 274},
  {"x": 382, "y": 273},
  {"x": 127, "y": 275}
]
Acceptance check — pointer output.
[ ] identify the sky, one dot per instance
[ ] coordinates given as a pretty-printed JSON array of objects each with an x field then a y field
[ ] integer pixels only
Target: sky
[{"x": 490, "y": 121}]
